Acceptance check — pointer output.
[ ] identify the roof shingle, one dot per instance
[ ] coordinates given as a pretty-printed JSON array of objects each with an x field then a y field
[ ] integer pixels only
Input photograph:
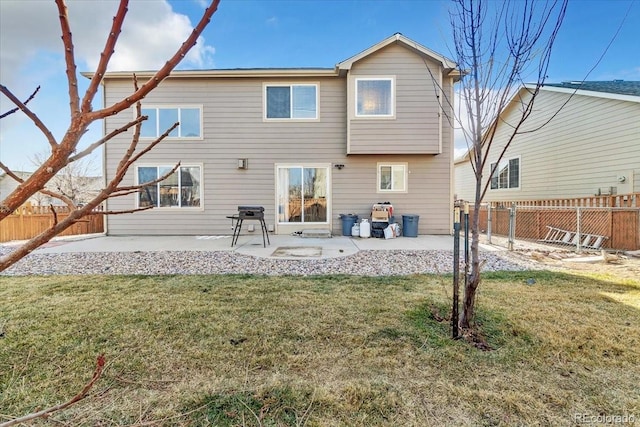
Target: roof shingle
[{"x": 620, "y": 87}]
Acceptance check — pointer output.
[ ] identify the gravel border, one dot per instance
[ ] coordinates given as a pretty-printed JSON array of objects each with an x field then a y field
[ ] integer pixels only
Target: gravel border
[{"x": 365, "y": 263}]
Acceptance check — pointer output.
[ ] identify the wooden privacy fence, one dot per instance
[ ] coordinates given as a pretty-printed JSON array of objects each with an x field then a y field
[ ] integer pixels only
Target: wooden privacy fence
[
  {"x": 29, "y": 221},
  {"x": 610, "y": 227}
]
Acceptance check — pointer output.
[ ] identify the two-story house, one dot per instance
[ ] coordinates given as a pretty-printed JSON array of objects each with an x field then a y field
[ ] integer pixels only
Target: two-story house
[{"x": 306, "y": 144}]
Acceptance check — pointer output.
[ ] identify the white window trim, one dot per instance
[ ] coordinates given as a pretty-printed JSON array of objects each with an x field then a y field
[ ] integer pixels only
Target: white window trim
[
  {"x": 290, "y": 85},
  {"x": 519, "y": 187},
  {"x": 406, "y": 177},
  {"x": 173, "y": 208},
  {"x": 178, "y": 106},
  {"x": 392, "y": 79}
]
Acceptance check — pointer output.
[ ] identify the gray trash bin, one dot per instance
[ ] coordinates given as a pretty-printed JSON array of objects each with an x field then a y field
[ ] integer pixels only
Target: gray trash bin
[
  {"x": 410, "y": 225},
  {"x": 348, "y": 220}
]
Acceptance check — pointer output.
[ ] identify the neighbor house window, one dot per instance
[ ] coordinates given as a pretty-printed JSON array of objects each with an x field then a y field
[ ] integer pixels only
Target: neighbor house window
[
  {"x": 506, "y": 175},
  {"x": 160, "y": 119},
  {"x": 181, "y": 189},
  {"x": 374, "y": 97},
  {"x": 392, "y": 177},
  {"x": 291, "y": 101}
]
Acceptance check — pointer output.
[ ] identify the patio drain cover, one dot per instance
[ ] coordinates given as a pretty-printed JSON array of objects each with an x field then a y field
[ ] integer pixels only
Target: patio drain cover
[{"x": 298, "y": 252}]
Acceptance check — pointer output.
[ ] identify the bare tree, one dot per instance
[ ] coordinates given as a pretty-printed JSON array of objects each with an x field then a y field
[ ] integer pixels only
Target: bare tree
[
  {"x": 64, "y": 151},
  {"x": 74, "y": 181},
  {"x": 499, "y": 47}
]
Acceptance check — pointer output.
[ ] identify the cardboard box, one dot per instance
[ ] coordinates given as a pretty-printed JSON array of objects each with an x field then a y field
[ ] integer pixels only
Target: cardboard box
[{"x": 380, "y": 216}]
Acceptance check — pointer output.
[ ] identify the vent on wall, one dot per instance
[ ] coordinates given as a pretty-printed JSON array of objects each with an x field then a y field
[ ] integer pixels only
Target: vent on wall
[{"x": 606, "y": 191}]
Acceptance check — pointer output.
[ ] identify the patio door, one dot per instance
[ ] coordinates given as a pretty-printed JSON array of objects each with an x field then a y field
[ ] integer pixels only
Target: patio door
[{"x": 302, "y": 197}]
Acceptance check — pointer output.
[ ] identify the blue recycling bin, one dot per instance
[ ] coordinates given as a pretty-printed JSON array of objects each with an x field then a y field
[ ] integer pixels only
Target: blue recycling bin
[
  {"x": 348, "y": 220},
  {"x": 410, "y": 225}
]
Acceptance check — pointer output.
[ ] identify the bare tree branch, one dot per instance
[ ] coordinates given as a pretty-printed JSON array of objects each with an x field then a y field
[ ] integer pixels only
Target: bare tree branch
[
  {"x": 501, "y": 44},
  {"x": 97, "y": 373},
  {"x": 14, "y": 110},
  {"x": 49, "y": 193},
  {"x": 34, "y": 118},
  {"x": 63, "y": 152},
  {"x": 161, "y": 74},
  {"x": 69, "y": 58},
  {"x": 120, "y": 212},
  {"x": 106, "y": 138},
  {"x": 10, "y": 173},
  {"x": 105, "y": 56}
]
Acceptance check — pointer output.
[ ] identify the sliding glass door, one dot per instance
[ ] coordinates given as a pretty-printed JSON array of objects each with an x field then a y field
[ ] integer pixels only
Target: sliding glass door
[{"x": 303, "y": 192}]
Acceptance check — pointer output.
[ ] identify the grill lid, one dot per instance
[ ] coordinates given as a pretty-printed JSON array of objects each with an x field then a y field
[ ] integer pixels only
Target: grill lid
[
  {"x": 250, "y": 209},
  {"x": 251, "y": 212}
]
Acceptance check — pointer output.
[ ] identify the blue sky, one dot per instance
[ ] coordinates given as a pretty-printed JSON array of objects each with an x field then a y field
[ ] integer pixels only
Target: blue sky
[{"x": 261, "y": 33}]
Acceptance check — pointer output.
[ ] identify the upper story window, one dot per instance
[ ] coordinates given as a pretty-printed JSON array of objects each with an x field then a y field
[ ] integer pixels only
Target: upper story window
[
  {"x": 374, "y": 97},
  {"x": 181, "y": 189},
  {"x": 506, "y": 175},
  {"x": 162, "y": 118},
  {"x": 392, "y": 177},
  {"x": 291, "y": 101}
]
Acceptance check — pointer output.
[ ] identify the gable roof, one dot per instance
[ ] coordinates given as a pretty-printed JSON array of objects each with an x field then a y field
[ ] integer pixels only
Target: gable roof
[
  {"x": 620, "y": 87},
  {"x": 448, "y": 64},
  {"x": 340, "y": 69},
  {"x": 612, "y": 89}
]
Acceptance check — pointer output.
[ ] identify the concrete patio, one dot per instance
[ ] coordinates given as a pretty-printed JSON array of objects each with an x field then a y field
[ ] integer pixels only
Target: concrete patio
[{"x": 282, "y": 246}]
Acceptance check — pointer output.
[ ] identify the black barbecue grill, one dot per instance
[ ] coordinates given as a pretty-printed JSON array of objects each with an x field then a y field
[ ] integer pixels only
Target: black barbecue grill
[{"x": 255, "y": 213}]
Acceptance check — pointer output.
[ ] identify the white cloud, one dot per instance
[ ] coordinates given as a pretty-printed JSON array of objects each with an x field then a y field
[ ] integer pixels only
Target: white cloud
[
  {"x": 459, "y": 152},
  {"x": 151, "y": 33},
  {"x": 31, "y": 54},
  {"x": 461, "y": 120},
  {"x": 272, "y": 22}
]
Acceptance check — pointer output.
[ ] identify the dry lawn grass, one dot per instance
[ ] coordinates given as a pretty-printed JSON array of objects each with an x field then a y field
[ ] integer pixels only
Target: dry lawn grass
[{"x": 318, "y": 351}]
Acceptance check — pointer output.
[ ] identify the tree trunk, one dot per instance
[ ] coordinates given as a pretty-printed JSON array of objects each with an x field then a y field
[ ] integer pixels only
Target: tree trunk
[{"x": 473, "y": 280}]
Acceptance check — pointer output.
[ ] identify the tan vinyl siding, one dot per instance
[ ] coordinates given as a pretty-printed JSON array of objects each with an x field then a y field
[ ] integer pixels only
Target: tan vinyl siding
[
  {"x": 234, "y": 128},
  {"x": 584, "y": 148},
  {"x": 428, "y": 195},
  {"x": 415, "y": 129},
  {"x": 465, "y": 181}
]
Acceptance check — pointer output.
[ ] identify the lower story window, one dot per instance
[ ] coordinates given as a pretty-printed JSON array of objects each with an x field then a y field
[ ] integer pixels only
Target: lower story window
[
  {"x": 506, "y": 175},
  {"x": 181, "y": 189},
  {"x": 392, "y": 177}
]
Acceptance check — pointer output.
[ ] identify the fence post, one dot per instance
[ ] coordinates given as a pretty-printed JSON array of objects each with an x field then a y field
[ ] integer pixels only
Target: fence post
[
  {"x": 578, "y": 234},
  {"x": 489, "y": 223},
  {"x": 456, "y": 269},
  {"x": 466, "y": 244},
  {"x": 512, "y": 225}
]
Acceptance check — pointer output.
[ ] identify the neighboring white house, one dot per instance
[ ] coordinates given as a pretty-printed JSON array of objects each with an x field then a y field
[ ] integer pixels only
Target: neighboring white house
[
  {"x": 8, "y": 184},
  {"x": 81, "y": 189},
  {"x": 306, "y": 144},
  {"x": 590, "y": 147}
]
